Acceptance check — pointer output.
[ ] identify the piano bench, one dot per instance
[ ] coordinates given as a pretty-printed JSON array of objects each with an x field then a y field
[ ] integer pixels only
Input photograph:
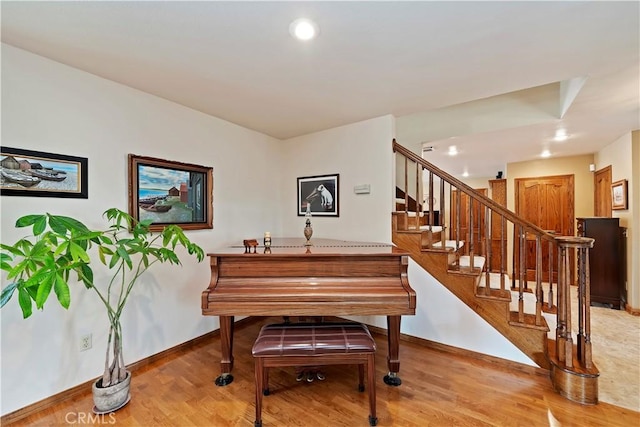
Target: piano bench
[{"x": 314, "y": 344}]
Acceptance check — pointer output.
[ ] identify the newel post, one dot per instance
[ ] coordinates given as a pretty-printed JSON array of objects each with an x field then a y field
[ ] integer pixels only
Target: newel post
[{"x": 564, "y": 340}]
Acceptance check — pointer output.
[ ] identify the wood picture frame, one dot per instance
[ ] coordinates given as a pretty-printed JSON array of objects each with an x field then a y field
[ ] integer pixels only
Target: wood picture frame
[
  {"x": 619, "y": 195},
  {"x": 39, "y": 174},
  {"x": 169, "y": 192},
  {"x": 321, "y": 193}
]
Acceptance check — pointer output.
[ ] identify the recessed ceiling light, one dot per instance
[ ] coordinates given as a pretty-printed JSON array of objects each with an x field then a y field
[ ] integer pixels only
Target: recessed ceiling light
[
  {"x": 303, "y": 29},
  {"x": 465, "y": 174},
  {"x": 545, "y": 153},
  {"x": 453, "y": 150},
  {"x": 561, "y": 135}
]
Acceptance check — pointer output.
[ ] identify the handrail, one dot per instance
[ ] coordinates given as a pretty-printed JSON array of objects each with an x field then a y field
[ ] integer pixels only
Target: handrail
[{"x": 471, "y": 192}]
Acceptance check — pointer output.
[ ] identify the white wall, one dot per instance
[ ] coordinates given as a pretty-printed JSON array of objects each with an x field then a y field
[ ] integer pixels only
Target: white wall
[
  {"x": 618, "y": 154},
  {"x": 53, "y": 108},
  {"x": 361, "y": 153}
]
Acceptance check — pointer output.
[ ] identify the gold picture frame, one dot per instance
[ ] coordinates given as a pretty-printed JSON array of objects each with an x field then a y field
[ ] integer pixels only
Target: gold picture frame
[
  {"x": 619, "y": 195},
  {"x": 169, "y": 192}
]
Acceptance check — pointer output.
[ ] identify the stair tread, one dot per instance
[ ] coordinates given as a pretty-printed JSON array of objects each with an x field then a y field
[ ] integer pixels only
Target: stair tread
[
  {"x": 464, "y": 270},
  {"x": 496, "y": 294},
  {"x": 529, "y": 321},
  {"x": 450, "y": 244}
]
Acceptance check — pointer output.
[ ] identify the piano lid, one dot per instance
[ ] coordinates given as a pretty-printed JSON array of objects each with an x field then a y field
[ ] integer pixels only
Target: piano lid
[{"x": 294, "y": 245}]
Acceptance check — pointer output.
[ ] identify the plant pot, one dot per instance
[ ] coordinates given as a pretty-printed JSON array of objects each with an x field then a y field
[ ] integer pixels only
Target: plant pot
[{"x": 112, "y": 398}]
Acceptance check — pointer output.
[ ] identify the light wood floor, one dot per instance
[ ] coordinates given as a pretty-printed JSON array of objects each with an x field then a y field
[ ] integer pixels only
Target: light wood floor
[{"x": 439, "y": 389}]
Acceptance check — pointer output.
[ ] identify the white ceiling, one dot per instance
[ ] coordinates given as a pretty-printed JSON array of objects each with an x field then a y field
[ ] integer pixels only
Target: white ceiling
[{"x": 461, "y": 70}]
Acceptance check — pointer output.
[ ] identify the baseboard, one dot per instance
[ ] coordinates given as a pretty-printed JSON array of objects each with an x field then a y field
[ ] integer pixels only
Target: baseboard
[
  {"x": 468, "y": 354},
  {"x": 631, "y": 310},
  {"x": 84, "y": 388}
]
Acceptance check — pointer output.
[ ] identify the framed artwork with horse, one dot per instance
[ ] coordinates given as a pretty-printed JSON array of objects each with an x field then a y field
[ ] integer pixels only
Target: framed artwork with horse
[{"x": 319, "y": 195}]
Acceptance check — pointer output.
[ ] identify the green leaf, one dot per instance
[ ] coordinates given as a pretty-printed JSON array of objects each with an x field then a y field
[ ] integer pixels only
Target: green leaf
[
  {"x": 125, "y": 256},
  {"x": 60, "y": 224},
  {"x": 39, "y": 226},
  {"x": 61, "y": 289},
  {"x": 85, "y": 273},
  {"x": 25, "y": 302},
  {"x": 77, "y": 252},
  {"x": 114, "y": 259},
  {"x": 146, "y": 223},
  {"x": 101, "y": 255},
  {"x": 28, "y": 220},
  {"x": 5, "y": 261},
  {"x": 15, "y": 249},
  {"x": 106, "y": 240},
  {"x": 7, "y": 293},
  {"x": 44, "y": 289},
  {"x": 61, "y": 248}
]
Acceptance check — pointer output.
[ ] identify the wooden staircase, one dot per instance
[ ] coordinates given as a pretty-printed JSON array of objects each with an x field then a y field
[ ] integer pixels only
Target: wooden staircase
[{"x": 521, "y": 309}]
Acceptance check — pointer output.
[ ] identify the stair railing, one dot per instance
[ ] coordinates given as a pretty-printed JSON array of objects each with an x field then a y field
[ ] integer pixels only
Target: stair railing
[{"x": 527, "y": 238}]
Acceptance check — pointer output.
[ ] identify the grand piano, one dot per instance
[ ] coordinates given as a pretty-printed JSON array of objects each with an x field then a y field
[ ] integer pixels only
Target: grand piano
[{"x": 327, "y": 278}]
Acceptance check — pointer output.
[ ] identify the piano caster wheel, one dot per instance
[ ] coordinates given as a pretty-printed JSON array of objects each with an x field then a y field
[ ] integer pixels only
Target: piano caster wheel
[
  {"x": 224, "y": 379},
  {"x": 392, "y": 379},
  {"x": 266, "y": 392},
  {"x": 310, "y": 377},
  {"x": 361, "y": 388},
  {"x": 373, "y": 421},
  {"x": 259, "y": 423},
  {"x": 320, "y": 376}
]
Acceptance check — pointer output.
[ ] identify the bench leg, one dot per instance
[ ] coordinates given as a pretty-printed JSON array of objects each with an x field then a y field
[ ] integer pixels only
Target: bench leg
[
  {"x": 361, "y": 378},
  {"x": 259, "y": 376},
  {"x": 371, "y": 379}
]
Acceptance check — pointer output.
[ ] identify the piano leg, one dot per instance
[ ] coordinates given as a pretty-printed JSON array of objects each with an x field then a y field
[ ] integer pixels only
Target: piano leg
[
  {"x": 393, "y": 358},
  {"x": 226, "y": 339}
]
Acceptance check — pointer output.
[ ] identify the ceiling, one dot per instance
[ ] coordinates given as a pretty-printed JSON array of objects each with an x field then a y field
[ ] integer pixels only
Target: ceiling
[{"x": 496, "y": 79}]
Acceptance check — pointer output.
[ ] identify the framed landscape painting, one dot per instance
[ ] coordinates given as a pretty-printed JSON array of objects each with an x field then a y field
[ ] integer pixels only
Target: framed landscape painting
[
  {"x": 319, "y": 194},
  {"x": 169, "y": 192},
  {"x": 40, "y": 174}
]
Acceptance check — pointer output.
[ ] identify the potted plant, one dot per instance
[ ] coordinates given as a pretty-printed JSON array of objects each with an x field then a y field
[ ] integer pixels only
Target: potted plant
[{"x": 60, "y": 246}]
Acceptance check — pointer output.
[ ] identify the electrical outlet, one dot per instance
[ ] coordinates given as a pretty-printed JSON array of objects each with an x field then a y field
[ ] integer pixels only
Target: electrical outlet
[{"x": 85, "y": 342}]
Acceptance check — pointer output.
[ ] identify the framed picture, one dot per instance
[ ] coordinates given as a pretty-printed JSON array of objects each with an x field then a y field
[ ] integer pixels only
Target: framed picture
[
  {"x": 39, "y": 174},
  {"x": 619, "y": 195},
  {"x": 319, "y": 194},
  {"x": 170, "y": 193}
]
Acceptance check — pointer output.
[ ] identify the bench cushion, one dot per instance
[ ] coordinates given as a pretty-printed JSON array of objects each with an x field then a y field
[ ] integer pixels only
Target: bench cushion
[{"x": 305, "y": 339}]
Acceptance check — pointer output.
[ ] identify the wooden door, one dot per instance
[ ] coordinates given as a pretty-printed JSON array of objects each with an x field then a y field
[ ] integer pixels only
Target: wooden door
[
  {"x": 602, "y": 192},
  {"x": 548, "y": 202},
  {"x": 478, "y": 221}
]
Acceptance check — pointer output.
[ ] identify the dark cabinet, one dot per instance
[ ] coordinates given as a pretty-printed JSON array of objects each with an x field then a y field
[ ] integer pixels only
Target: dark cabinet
[{"x": 607, "y": 260}]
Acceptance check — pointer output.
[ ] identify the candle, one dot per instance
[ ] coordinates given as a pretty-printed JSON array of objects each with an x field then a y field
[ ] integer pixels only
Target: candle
[{"x": 308, "y": 207}]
